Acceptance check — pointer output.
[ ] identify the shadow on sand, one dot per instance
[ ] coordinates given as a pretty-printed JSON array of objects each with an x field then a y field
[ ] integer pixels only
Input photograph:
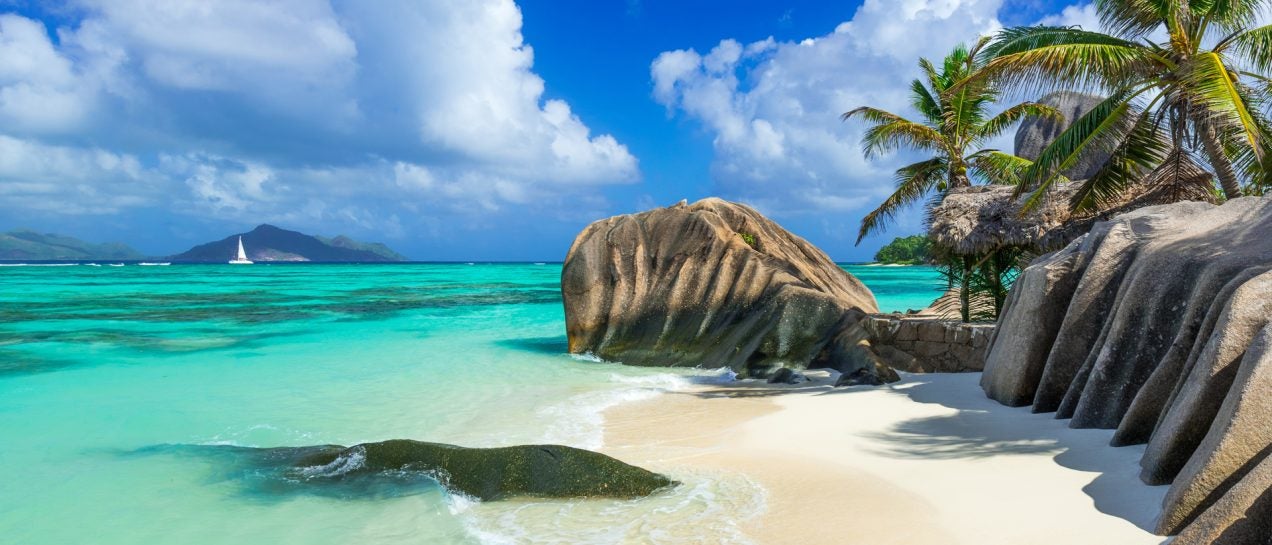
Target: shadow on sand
[{"x": 982, "y": 428}]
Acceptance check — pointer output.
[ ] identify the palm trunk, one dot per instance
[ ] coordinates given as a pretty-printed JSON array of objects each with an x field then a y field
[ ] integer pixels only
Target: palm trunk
[
  {"x": 958, "y": 175},
  {"x": 1219, "y": 161},
  {"x": 965, "y": 290}
]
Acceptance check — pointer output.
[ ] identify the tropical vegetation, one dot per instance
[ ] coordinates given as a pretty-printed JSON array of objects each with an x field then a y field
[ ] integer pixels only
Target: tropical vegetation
[
  {"x": 953, "y": 126},
  {"x": 1183, "y": 79},
  {"x": 911, "y": 250},
  {"x": 955, "y": 104}
]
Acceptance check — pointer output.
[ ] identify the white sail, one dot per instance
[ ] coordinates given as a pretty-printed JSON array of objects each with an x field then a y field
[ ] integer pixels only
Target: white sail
[{"x": 241, "y": 258}]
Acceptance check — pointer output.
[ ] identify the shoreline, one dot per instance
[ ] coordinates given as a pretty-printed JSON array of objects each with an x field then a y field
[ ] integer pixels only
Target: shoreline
[{"x": 925, "y": 460}]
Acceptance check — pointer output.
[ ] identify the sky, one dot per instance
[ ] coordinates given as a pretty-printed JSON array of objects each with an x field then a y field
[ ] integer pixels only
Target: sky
[{"x": 458, "y": 131}]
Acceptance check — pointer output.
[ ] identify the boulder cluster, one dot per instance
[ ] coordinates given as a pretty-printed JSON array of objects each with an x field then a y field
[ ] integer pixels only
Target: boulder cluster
[
  {"x": 714, "y": 284},
  {"x": 1158, "y": 324}
]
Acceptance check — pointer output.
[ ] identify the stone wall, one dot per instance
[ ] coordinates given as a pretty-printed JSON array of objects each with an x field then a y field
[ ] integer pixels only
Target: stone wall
[{"x": 928, "y": 344}]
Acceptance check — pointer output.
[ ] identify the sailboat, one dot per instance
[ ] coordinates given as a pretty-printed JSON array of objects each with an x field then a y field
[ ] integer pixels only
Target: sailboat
[{"x": 241, "y": 258}]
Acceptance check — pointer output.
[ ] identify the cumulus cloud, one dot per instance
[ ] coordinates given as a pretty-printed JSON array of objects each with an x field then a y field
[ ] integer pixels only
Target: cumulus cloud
[
  {"x": 303, "y": 110},
  {"x": 773, "y": 107},
  {"x": 39, "y": 89},
  {"x": 1079, "y": 15}
]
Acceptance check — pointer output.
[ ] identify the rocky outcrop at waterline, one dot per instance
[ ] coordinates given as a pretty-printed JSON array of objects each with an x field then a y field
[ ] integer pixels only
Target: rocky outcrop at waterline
[
  {"x": 488, "y": 474},
  {"x": 1157, "y": 324},
  {"x": 713, "y": 284}
]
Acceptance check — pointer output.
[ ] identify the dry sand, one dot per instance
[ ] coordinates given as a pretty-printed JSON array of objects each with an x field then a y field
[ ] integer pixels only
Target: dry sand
[{"x": 928, "y": 460}]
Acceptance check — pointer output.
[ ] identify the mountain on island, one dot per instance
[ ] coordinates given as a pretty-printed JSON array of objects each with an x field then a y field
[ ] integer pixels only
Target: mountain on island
[
  {"x": 27, "y": 245},
  {"x": 268, "y": 243}
]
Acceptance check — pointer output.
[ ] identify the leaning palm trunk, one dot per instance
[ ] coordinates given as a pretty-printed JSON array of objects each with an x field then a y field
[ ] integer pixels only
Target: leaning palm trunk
[{"x": 1220, "y": 162}]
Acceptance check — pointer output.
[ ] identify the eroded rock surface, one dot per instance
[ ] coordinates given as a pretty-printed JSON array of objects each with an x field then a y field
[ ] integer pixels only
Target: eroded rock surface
[
  {"x": 713, "y": 284},
  {"x": 1035, "y": 134},
  {"x": 1156, "y": 324},
  {"x": 399, "y": 466}
]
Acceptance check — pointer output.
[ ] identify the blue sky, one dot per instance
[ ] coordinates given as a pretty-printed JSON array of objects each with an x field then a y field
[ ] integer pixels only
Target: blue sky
[{"x": 479, "y": 130}]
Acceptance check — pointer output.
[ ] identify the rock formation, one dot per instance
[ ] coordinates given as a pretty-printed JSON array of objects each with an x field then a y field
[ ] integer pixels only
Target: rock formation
[
  {"x": 488, "y": 474},
  {"x": 1035, "y": 134},
  {"x": 713, "y": 284},
  {"x": 1156, "y": 324}
]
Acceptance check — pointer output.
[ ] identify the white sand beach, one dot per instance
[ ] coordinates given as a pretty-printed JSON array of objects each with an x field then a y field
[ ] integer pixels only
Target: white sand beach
[{"x": 926, "y": 460}]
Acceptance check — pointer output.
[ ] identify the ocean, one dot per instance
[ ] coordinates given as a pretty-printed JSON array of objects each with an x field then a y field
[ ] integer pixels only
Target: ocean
[{"x": 125, "y": 390}]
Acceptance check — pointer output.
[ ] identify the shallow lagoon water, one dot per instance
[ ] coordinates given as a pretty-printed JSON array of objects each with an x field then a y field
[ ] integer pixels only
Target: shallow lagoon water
[{"x": 112, "y": 378}]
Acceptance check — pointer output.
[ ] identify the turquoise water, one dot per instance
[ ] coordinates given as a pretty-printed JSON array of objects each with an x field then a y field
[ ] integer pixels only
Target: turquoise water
[
  {"x": 900, "y": 288},
  {"x": 118, "y": 385}
]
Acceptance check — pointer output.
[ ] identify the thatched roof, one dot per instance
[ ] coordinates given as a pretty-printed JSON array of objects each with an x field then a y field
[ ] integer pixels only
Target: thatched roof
[{"x": 978, "y": 219}]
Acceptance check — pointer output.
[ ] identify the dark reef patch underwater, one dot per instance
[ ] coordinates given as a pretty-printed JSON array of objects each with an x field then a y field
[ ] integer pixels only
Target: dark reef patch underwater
[{"x": 402, "y": 467}]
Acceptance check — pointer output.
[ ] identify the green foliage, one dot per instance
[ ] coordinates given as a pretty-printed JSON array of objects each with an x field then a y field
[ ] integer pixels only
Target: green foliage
[
  {"x": 911, "y": 250},
  {"x": 748, "y": 238},
  {"x": 1192, "y": 89},
  {"x": 982, "y": 281},
  {"x": 956, "y": 119},
  {"x": 30, "y": 245}
]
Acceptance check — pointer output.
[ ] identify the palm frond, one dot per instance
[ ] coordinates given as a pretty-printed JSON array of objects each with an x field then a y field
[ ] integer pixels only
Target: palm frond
[
  {"x": 923, "y": 101},
  {"x": 1102, "y": 127},
  {"x": 1140, "y": 151},
  {"x": 1232, "y": 15},
  {"x": 1253, "y": 46},
  {"x": 1214, "y": 87},
  {"x": 1049, "y": 58},
  {"x": 1132, "y": 19},
  {"x": 999, "y": 123},
  {"x": 1000, "y": 168},
  {"x": 890, "y": 131},
  {"x": 912, "y": 183}
]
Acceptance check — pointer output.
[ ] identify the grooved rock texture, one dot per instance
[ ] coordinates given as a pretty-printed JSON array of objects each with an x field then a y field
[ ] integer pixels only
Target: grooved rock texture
[
  {"x": 1035, "y": 134},
  {"x": 1156, "y": 324},
  {"x": 713, "y": 284}
]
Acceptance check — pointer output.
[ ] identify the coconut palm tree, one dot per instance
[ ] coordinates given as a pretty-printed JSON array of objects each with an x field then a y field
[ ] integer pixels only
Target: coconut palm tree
[
  {"x": 952, "y": 126},
  {"x": 956, "y": 120},
  {"x": 1182, "y": 79}
]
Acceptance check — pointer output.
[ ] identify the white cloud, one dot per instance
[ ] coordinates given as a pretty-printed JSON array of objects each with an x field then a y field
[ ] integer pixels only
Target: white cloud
[
  {"x": 72, "y": 180},
  {"x": 39, "y": 91},
  {"x": 774, "y": 107},
  {"x": 299, "y": 109},
  {"x": 1078, "y": 15}
]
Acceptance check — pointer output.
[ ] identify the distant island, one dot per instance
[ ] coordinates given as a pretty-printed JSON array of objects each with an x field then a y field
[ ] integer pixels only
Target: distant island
[
  {"x": 28, "y": 245},
  {"x": 268, "y": 243},
  {"x": 911, "y": 250}
]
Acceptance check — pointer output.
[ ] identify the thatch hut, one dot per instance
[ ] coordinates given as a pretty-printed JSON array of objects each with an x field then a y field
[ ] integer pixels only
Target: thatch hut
[
  {"x": 981, "y": 219},
  {"x": 982, "y": 233}
]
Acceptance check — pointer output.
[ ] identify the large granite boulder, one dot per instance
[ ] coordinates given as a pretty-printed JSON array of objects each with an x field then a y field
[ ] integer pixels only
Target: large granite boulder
[
  {"x": 1035, "y": 134},
  {"x": 713, "y": 284},
  {"x": 1162, "y": 334}
]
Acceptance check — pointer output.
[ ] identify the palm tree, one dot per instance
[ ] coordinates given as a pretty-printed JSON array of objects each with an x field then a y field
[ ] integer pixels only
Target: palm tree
[
  {"x": 1197, "y": 91},
  {"x": 954, "y": 124},
  {"x": 955, "y": 105}
]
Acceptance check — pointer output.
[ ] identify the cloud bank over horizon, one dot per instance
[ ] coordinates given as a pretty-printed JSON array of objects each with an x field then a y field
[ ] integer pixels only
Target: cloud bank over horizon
[
  {"x": 309, "y": 114},
  {"x": 426, "y": 125}
]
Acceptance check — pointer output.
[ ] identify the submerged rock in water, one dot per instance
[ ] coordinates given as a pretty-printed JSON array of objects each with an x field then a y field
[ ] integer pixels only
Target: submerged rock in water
[
  {"x": 784, "y": 375},
  {"x": 552, "y": 471},
  {"x": 1163, "y": 335},
  {"x": 712, "y": 284}
]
